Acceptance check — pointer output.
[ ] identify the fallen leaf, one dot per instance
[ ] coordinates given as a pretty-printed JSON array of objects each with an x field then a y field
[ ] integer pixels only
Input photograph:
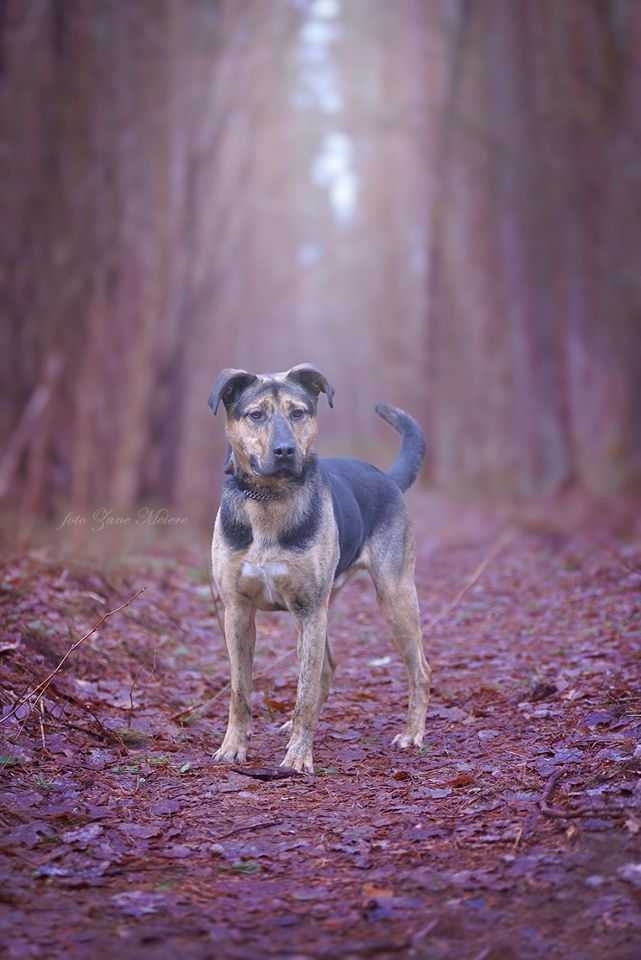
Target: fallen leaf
[
  {"x": 267, "y": 773},
  {"x": 461, "y": 780},
  {"x": 139, "y": 903},
  {"x": 83, "y": 835}
]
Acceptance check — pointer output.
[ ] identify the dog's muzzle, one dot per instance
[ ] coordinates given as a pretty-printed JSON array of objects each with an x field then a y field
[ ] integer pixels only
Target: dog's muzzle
[
  {"x": 276, "y": 467},
  {"x": 284, "y": 459}
]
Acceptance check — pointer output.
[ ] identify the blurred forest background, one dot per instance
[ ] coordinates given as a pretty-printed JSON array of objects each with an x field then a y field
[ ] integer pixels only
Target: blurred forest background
[{"x": 436, "y": 201}]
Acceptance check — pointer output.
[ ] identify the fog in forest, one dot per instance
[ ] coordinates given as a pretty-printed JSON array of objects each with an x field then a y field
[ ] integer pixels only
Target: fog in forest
[{"x": 437, "y": 202}]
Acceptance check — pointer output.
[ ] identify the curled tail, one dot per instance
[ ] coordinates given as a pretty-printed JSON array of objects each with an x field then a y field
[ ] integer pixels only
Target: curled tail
[{"x": 405, "y": 468}]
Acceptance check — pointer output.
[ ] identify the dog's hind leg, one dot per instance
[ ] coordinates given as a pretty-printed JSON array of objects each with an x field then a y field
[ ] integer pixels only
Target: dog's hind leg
[
  {"x": 396, "y": 591},
  {"x": 329, "y": 666},
  {"x": 240, "y": 636}
]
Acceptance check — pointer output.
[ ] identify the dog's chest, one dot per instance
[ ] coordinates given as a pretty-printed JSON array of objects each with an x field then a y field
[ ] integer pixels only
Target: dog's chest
[
  {"x": 276, "y": 555},
  {"x": 264, "y": 574},
  {"x": 265, "y": 583}
]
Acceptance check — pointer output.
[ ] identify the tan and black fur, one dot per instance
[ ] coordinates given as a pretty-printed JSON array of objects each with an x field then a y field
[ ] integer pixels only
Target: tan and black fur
[{"x": 291, "y": 528}]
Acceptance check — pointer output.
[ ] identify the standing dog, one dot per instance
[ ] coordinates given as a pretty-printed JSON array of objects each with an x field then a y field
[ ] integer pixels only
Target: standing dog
[{"x": 291, "y": 528}]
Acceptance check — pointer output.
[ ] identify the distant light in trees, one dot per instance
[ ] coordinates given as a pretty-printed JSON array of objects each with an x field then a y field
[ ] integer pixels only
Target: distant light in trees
[
  {"x": 318, "y": 86},
  {"x": 326, "y": 9},
  {"x": 333, "y": 169},
  {"x": 309, "y": 254}
]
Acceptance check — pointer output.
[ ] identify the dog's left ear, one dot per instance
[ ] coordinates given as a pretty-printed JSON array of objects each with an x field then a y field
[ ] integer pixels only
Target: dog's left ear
[
  {"x": 311, "y": 379},
  {"x": 229, "y": 385}
]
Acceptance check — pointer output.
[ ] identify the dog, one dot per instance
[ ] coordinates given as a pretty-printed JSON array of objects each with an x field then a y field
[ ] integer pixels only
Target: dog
[{"x": 291, "y": 528}]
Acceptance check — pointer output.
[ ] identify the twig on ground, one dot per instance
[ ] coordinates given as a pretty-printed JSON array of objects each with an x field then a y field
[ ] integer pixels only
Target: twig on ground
[
  {"x": 518, "y": 838},
  {"x": 250, "y": 827},
  {"x": 103, "y": 733},
  {"x": 498, "y": 545},
  {"x": 41, "y": 718},
  {"x": 131, "y": 703},
  {"x": 41, "y": 688},
  {"x": 558, "y": 813},
  {"x": 547, "y": 809},
  {"x": 199, "y": 706},
  {"x": 424, "y": 932},
  {"x": 550, "y": 787},
  {"x": 483, "y": 954}
]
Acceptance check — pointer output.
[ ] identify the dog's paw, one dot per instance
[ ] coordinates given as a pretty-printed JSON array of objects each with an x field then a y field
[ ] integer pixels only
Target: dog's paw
[
  {"x": 238, "y": 755},
  {"x": 232, "y": 750},
  {"x": 286, "y": 727},
  {"x": 406, "y": 740},
  {"x": 299, "y": 758}
]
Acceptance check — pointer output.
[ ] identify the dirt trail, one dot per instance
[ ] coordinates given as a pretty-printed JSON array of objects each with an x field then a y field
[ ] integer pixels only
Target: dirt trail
[{"x": 515, "y": 833}]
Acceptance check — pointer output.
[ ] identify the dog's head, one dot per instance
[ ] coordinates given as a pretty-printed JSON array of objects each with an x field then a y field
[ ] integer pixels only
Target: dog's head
[{"x": 271, "y": 418}]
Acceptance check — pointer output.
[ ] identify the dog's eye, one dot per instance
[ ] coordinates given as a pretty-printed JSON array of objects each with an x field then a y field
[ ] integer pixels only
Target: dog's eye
[
  {"x": 297, "y": 414},
  {"x": 256, "y": 415}
]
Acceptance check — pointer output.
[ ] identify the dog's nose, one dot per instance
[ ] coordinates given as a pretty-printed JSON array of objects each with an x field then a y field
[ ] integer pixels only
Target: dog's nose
[{"x": 284, "y": 451}]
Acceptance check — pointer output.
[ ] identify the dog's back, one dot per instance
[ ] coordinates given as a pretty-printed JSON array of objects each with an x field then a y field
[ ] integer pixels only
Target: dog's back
[{"x": 367, "y": 499}]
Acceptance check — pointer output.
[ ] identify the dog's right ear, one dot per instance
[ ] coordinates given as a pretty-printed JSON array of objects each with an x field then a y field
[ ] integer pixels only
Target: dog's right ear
[{"x": 229, "y": 385}]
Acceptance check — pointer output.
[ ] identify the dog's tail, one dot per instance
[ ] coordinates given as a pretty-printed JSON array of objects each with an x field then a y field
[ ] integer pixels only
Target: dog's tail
[{"x": 405, "y": 468}]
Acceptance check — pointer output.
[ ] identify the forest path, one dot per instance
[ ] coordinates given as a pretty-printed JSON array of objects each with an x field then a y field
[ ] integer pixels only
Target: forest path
[{"x": 514, "y": 833}]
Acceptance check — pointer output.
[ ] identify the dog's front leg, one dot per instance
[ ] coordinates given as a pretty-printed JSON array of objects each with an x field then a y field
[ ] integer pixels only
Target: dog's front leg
[
  {"x": 311, "y": 650},
  {"x": 240, "y": 637}
]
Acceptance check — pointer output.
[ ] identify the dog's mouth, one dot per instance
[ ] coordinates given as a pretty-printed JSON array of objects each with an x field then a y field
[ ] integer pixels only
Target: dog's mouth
[{"x": 290, "y": 469}]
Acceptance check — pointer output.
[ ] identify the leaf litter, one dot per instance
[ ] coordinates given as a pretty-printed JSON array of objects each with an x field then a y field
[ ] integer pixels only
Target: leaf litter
[{"x": 514, "y": 832}]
